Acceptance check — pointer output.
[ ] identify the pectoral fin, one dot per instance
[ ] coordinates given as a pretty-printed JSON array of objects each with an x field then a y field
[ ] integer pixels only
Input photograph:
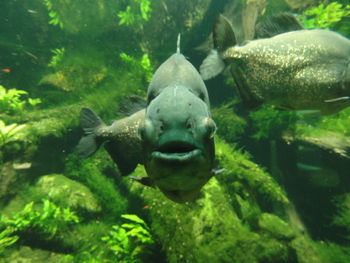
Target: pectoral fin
[{"x": 143, "y": 180}]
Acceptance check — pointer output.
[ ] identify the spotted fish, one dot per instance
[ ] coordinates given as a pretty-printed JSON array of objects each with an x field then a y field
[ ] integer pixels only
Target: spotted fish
[{"x": 297, "y": 70}]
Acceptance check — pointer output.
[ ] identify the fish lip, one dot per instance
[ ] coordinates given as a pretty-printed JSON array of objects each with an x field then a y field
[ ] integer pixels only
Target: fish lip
[{"x": 176, "y": 151}]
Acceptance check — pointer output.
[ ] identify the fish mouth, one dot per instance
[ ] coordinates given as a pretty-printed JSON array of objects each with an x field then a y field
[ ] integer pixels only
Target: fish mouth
[{"x": 176, "y": 151}]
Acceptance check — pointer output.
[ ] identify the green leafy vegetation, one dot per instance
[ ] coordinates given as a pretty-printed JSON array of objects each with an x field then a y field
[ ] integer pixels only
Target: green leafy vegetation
[
  {"x": 44, "y": 221},
  {"x": 57, "y": 57},
  {"x": 47, "y": 221},
  {"x": 135, "y": 13},
  {"x": 7, "y": 239},
  {"x": 325, "y": 16},
  {"x": 8, "y": 132},
  {"x": 54, "y": 17},
  {"x": 142, "y": 65},
  {"x": 12, "y": 102},
  {"x": 130, "y": 240}
]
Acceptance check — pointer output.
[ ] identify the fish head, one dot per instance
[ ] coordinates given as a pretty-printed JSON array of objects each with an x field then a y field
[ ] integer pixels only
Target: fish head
[{"x": 178, "y": 143}]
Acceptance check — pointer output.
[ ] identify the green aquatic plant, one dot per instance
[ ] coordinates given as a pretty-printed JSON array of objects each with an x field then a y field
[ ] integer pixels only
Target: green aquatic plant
[
  {"x": 8, "y": 132},
  {"x": 135, "y": 13},
  {"x": 11, "y": 100},
  {"x": 57, "y": 57},
  {"x": 47, "y": 220},
  {"x": 142, "y": 65},
  {"x": 7, "y": 239},
  {"x": 130, "y": 240},
  {"x": 325, "y": 16},
  {"x": 54, "y": 17}
]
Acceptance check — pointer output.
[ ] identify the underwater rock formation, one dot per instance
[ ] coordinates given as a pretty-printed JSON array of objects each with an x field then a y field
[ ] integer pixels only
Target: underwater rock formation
[{"x": 67, "y": 192}]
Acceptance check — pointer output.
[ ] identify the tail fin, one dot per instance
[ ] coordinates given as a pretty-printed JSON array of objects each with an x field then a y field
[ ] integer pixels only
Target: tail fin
[
  {"x": 212, "y": 65},
  {"x": 277, "y": 24},
  {"x": 223, "y": 34},
  {"x": 178, "y": 44},
  {"x": 89, "y": 143},
  {"x": 223, "y": 37}
]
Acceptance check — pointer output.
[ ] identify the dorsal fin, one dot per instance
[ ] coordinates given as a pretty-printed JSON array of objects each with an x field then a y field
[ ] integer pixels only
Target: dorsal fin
[
  {"x": 178, "y": 44},
  {"x": 223, "y": 34},
  {"x": 131, "y": 104},
  {"x": 277, "y": 24}
]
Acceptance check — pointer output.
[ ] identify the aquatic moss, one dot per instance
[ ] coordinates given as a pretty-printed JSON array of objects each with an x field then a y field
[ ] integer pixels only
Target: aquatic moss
[
  {"x": 230, "y": 125},
  {"x": 92, "y": 172},
  {"x": 197, "y": 232},
  {"x": 248, "y": 173},
  {"x": 268, "y": 122},
  {"x": 342, "y": 218}
]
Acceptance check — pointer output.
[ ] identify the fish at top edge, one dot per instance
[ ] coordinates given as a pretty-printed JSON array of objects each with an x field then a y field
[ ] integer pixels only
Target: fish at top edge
[
  {"x": 296, "y": 70},
  {"x": 173, "y": 137}
]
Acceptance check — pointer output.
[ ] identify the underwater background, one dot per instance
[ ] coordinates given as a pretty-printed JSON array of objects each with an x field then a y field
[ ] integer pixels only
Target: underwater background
[{"x": 285, "y": 194}]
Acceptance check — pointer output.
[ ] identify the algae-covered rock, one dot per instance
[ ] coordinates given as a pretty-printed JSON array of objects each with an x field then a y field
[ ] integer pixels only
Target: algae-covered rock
[
  {"x": 301, "y": 4},
  {"x": 305, "y": 250},
  {"x": 8, "y": 176},
  {"x": 30, "y": 255},
  {"x": 67, "y": 192},
  {"x": 209, "y": 229},
  {"x": 275, "y": 226}
]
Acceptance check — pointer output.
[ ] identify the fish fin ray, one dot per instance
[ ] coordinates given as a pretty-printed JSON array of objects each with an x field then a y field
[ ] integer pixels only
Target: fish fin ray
[
  {"x": 132, "y": 104},
  {"x": 89, "y": 143},
  {"x": 178, "y": 44},
  {"x": 223, "y": 34},
  {"x": 277, "y": 24},
  {"x": 212, "y": 65},
  {"x": 338, "y": 99}
]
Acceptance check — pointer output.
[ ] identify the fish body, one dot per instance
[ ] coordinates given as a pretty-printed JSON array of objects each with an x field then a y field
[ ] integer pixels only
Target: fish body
[
  {"x": 172, "y": 137},
  {"x": 297, "y": 70}
]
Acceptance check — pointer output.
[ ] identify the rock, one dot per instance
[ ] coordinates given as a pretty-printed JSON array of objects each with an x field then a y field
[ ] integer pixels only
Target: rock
[
  {"x": 301, "y": 4},
  {"x": 28, "y": 255},
  {"x": 275, "y": 226},
  {"x": 67, "y": 192}
]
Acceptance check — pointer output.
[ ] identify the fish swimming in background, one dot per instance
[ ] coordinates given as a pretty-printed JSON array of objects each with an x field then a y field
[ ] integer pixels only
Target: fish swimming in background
[
  {"x": 297, "y": 70},
  {"x": 172, "y": 137}
]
